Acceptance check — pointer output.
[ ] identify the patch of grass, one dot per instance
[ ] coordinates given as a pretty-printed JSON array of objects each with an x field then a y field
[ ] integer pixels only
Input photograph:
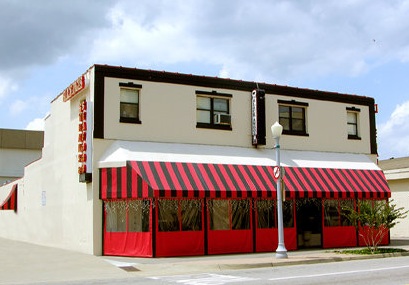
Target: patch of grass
[{"x": 364, "y": 251}]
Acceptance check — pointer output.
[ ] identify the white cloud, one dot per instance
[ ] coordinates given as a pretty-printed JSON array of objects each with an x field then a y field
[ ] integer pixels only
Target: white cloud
[
  {"x": 270, "y": 39},
  {"x": 36, "y": 125},
  {"x": 393, "y": 135},
  {"x": 6, "y": 87},
  {"x": 18, "y": 106}
]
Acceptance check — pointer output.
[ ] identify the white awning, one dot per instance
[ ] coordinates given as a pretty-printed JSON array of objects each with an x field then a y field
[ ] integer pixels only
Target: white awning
[{"x": 122, "y": 151}]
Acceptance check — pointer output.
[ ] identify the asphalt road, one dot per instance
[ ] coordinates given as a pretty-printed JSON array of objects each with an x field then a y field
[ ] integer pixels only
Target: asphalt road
[{"x": 373, "y": 271}]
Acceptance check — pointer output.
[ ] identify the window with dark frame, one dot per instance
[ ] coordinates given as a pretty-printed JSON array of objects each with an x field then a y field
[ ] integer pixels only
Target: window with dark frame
[
  {"x": 232, "y": 214},
  {"x": 335, "y": 213},
  {"x": 179, "y": 215},
  {"x": 266, "y": 214},
  {"x": 292, "y": 117},
  {"x": 213, "y": 111},
  {"x": 352, "y": 123},
  {"x": 127, "y": 215},
  {"x": 129, "y": 103}
]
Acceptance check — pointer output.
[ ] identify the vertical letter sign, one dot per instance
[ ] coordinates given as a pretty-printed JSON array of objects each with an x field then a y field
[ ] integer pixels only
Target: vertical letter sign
[
  {"x": 258, "y": 117},
  {"x": 82, "y": 142}
]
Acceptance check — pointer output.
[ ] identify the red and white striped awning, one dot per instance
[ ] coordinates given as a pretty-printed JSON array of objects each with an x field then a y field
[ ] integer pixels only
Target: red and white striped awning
[
  {"x": 143, "y": 179},
  {"x": 163, "y": 170},
  {"x": 336, "y": 183},
  {"x": 10, "y": 203}
]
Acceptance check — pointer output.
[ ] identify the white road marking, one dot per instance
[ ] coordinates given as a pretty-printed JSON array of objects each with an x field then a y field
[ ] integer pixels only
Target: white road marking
[
  {"x": 119, "y": 263},
  {"x": 204, "y": 279},
  {"x": 338, "y": 273}
]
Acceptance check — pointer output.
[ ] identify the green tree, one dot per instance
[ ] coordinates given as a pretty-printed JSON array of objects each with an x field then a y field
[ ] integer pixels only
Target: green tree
[{"x": 373, "y": 220}]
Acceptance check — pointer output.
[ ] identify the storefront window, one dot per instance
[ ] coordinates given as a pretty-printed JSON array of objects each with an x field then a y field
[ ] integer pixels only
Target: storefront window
[
  {"x": 334, "y": 213},
  {"x": 191, "y": 215},
  {"x": 331, "y": 213},
  {"x": 240, "y": 214},
  {"x": 345, "y": 204},
  {"x": 127, "y": 215},
  {"x": 229, "y": 214},
  {"x": 115, "y": 216},
  {"x": 288, "y": 214},
  {"x": 176, "y": 215},
  {"x": 168, "y": 215},
  {"x": 138, "y": 215},
  {"x": 266, "y": 214},
  {"x": 219, "y": 215}
]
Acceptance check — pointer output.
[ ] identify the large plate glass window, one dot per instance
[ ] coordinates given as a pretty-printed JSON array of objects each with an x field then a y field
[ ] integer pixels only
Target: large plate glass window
[
  {"x": 179, "y": 215},
  {"x": 231, "y": 214},
  {"x": 127, "y": 215}
]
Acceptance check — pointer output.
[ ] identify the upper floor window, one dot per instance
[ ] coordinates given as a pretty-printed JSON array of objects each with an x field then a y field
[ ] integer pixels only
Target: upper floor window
[
  {"x": 213, "y": 111},
  {"x": 292, "y": 117},
  {"x": 352, "y": 123},
  {"x": 129, "y": 102}
]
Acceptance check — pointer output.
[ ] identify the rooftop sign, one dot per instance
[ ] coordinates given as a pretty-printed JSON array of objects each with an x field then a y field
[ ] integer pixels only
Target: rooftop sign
[{"x": 76, "y": 87}]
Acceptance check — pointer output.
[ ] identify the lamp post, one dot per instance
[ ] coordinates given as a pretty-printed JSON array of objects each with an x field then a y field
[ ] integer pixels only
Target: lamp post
[{"x": 281, "y": 251}]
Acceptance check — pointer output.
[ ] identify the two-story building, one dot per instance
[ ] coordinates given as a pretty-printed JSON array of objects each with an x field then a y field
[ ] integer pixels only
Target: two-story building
[{"x": 151, "y": 163}]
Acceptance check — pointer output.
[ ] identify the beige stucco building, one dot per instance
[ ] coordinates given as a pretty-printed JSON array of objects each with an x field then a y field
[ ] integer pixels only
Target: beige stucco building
[
  {"x": 397, "y": 174},
  {"x": 115, "y": 130}
]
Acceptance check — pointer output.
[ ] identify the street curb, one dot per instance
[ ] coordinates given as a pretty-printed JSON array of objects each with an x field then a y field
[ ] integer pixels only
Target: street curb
[
  {"x": 309, "y": 260},
  {"x": 180, "y": 268}
]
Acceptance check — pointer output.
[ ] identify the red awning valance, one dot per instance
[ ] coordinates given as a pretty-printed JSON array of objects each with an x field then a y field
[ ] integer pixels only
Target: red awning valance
[
  {"x": 10, "y": 203},
  {"x": 336, "y": 183},
  {"x": 144, "y": 179}
]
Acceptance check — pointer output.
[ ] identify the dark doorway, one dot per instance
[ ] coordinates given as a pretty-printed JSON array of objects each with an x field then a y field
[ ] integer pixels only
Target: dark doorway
[{"x": 309, "y": 223}]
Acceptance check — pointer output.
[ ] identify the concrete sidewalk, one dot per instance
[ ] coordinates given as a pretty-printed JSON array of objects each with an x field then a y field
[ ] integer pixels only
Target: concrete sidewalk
[{"x": 22, "y": 263}]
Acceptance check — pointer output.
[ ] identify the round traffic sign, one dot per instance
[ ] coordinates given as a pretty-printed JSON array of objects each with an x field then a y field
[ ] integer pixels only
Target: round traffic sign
[{"x": 276, "y": 172}]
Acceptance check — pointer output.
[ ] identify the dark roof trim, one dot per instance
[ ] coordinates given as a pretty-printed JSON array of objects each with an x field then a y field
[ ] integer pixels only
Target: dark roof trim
[
  {"x": 293, "y": 102},
  {"x": 353, "y": 109},
  {"x": 224, "y": 83},
  {"x": 130, "y": 85},
  {"x": 213, "y": 93}
]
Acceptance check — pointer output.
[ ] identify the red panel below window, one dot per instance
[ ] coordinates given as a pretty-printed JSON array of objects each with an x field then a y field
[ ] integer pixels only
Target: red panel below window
[
  {"x": 267, "y": 239},
  {"x": 339, "y": 237},
  {"x": 128, "y": 244},
  {"x": 364, "y": 232},
  {"x": 230, "y": 241},
  {"x": 183, "y": 243}
]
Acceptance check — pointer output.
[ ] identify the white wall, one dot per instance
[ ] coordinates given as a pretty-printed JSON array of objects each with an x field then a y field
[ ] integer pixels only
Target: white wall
[
  {"x": 54, "y": 208},
  {"x": 168, "y": 114},
  {"x": 12, "y": 162},
  {"x": 400, "y": 196}
]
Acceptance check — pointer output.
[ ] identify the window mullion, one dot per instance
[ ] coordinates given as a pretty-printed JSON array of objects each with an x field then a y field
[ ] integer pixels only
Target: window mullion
[
  {"x": 291, "y": 117},
  {"x": 212, "y": 111}
]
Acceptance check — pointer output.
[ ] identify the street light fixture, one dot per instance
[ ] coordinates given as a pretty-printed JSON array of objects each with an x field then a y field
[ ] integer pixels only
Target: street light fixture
[{"x": 281, "y": 251}]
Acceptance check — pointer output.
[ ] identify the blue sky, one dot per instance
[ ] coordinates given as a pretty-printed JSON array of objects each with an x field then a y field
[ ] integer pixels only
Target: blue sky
[{"x": 353, "y": 46}]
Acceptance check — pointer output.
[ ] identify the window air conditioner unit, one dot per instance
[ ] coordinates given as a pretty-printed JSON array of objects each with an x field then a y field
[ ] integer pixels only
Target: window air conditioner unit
[{"x": 222, "y": 119}]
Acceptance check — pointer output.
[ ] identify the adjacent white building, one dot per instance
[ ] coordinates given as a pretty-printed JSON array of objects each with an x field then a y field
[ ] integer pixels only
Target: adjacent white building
[
  {"x": 17, "y": 149},
  {"x": 397, "y": 174}
]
